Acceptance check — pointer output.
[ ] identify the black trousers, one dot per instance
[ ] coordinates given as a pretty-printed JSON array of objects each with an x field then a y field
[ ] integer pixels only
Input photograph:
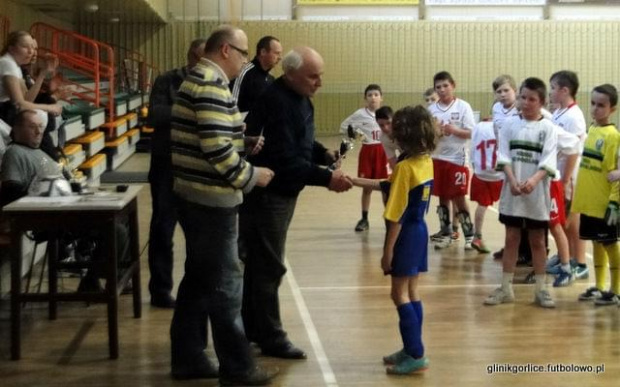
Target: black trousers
[
  {"x": 264, "y": 220},
  {"x": 163, "y": 222}
]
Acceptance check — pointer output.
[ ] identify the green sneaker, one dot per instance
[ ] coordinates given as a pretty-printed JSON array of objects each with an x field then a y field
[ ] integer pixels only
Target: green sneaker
[
  {"x": 479, "y": 245},
  {"x": 408, "y": 366},
  {"x": 395, "y": 358}
]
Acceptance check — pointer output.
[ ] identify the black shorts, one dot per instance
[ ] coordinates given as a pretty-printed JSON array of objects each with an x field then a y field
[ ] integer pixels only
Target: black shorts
[
  {"x": 595, "y": 229},
  {"x": 519, "y": 222}
]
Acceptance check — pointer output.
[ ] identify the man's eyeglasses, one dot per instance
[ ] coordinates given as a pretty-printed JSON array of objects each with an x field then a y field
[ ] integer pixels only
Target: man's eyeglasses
[{"x": 242, "y": 52}]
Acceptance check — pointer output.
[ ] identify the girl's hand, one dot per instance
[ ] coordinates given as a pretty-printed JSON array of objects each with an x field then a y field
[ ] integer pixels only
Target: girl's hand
[
  {"x": 50, "y": 63},
  {"x": 386, "y": 264}
]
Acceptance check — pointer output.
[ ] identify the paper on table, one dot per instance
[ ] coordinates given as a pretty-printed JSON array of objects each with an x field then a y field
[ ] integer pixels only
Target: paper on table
[{"x": 50, "y": 200}]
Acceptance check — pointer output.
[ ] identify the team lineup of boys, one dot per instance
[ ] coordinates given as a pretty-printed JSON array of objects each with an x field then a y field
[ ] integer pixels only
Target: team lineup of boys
[{"x": 526, "y": 157}]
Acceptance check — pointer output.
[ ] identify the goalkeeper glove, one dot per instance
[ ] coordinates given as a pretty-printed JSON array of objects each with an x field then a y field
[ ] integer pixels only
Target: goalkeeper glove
[{"x": 612, "y": 214}]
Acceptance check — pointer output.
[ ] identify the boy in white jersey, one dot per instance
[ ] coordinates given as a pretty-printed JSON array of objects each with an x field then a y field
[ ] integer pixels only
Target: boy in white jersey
[
  {"x": 564, "y": 86},
  {"x": 486, "y": 184},
  {"x": 505, "y": 89},
  {"x": 430, "y": 97},
  {"x": 372, "y": 162},
  {"x": 527, "y": 155},
  {"x": 384, "y": 115},
  {"x": 451, "y": 175}
]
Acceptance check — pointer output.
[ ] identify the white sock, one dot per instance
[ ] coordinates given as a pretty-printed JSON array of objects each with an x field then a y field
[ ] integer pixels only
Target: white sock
[
  {"x": 507, "y": 281},
  {"x": 540, "y": 282},
  {"x": 566, "y": 268}
]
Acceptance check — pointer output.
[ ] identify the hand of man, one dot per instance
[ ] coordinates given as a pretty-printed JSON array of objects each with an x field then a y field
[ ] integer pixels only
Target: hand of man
[
  {"x": 331, "y": 156},
  {"x": 339, "y": 182},
  {"x": 264, "y": 176},
  {"x": 612, "y": 214}
]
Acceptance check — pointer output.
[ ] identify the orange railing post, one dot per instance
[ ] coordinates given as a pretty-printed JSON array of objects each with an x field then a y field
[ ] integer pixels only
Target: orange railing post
[{"x": 80, "y": 54}]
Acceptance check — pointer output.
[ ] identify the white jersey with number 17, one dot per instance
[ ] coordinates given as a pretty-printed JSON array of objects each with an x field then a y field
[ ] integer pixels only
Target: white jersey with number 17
[{"x": 484, "y": 152}]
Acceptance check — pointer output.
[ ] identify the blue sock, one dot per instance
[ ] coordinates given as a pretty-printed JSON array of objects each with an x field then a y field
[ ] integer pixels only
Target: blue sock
[
  {"x": 417, "y": 306},
  {"x": 410, "y": 330}
]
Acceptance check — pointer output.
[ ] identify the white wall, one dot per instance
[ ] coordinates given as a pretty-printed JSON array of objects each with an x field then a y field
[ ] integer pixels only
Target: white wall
[{"x": 237, "y": 10}]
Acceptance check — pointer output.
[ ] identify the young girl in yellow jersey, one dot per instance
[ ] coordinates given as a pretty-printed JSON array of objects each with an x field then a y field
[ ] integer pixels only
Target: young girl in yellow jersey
[
  {"x": 405, "y": 253},
  {"x": 597, "y": 196}
]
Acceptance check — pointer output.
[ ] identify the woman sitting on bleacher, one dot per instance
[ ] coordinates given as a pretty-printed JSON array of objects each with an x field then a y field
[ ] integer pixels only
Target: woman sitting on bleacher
[{"x": 20, "y": 49}]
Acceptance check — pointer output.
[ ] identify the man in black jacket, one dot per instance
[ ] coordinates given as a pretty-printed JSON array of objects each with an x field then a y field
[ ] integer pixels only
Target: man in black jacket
[
  {"x": 164, "y": 218},
  {"x": 255, "y": 77},
  {"x": 284, "y": 115}
]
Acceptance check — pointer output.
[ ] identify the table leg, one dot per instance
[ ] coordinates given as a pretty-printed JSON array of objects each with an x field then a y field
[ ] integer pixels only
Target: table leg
[
  {"x": 52, "y": 274},
  {"x": 135, "y": 259},
  {"x": 16, "y": 276},
  {"x": 112, "y": 290}
]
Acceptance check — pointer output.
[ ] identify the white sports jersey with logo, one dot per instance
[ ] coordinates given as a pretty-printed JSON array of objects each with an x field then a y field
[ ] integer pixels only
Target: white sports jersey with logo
[
  {"x": 528, "y": 146},
  {"x": 452, "y": 148},
  {"x": 484, "y": 152},
  {"x": 571, "y": 119},
  {"x": 364, "y": 120},
  {"x": 500, "y": 114}
]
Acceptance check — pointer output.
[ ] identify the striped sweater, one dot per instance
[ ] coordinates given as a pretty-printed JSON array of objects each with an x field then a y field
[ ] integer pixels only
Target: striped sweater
[{"x": 207, "y": 141}]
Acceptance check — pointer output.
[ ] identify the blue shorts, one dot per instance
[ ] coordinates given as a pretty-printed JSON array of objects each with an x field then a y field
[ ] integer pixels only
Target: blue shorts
[{"x": 411, "y": 250}]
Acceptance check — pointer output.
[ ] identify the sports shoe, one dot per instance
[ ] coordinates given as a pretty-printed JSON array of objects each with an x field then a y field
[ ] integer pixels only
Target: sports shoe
[
  {"x": 500, "y": 296},
  {"x": 408, "y": 366},
  {"x": 581, "y": 272},
  {"x": 530, "y": 278},
  {"x": 468, "y": 242},
  {"x": 395, "y": 358},
  {"x": 552, "y": 262},
  {"x": 564, "y": 279},
  {"x": 442, "y": 242},
  {"x": 455, "y": 235},
  {"x": 362, "y": 225},
  {"x": 607, "y": 298},
  {"x": 479, "y": 245},
  {"x": 543, "y": 298},
  {"x": 554, "y": 270},
  {"x": 590, "y": 294},
  {"x": 436, "y": 236}
]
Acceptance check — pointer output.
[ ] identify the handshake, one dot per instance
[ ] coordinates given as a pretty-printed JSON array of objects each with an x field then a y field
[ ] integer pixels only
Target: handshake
[{"x": 339, "y": 182}]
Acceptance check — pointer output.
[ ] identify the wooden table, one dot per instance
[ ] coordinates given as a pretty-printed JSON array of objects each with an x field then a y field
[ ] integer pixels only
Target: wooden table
[{"x": 57, "y": 215}]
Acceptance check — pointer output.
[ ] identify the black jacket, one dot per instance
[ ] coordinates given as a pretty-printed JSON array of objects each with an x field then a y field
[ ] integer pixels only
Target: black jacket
[{"x": 286, "y": 120}]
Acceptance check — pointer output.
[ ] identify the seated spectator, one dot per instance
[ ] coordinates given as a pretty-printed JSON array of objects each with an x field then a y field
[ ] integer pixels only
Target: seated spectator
[
  {"x": 24, "y": 162},
  {"x": 19, "y": 89}
]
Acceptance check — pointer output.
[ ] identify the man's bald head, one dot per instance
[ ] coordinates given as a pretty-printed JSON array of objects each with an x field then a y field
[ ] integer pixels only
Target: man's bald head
[{"x": 303, "y": 70}]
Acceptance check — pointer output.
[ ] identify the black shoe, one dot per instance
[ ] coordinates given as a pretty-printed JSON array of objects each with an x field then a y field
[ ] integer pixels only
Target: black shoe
[
  {"x": 362, "y": 225},
  {"x": 203, "y": 371},
  {"x": 259, "y": 376},
  {"x": 90, "y": 284},
  {"x": 285, "y": 351},
  {"x": 165, "y": 301},
  {"x": 498, "y": 254}
]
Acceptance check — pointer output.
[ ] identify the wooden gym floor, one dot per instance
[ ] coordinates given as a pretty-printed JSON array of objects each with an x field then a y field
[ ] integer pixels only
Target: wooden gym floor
[{"x": 335, "y": 305}]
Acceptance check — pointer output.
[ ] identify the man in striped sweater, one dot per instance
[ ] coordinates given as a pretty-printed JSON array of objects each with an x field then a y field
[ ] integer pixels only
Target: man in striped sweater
[{"x": 210, "y": 177}]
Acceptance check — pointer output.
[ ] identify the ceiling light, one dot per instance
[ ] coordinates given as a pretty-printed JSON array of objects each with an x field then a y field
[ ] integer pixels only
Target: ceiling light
[{"x": 91, "y": 7}]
